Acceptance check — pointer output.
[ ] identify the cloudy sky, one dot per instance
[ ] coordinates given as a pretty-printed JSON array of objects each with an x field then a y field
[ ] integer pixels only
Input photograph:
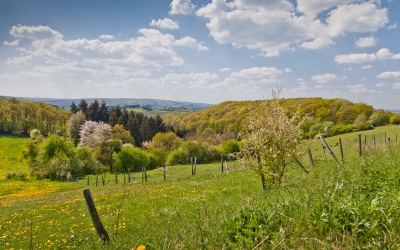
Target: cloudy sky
[{"x": 204, "y": 51}]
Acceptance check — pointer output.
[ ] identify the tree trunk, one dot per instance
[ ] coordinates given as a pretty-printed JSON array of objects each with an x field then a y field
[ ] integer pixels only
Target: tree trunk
[{"x": 263, "y": 181}]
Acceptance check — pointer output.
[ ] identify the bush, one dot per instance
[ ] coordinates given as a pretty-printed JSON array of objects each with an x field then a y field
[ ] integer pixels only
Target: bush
[
  {"x": 10, "y": 175},
  {"x": 231, "y": 146},
  {"x": 132, "y": 159}
]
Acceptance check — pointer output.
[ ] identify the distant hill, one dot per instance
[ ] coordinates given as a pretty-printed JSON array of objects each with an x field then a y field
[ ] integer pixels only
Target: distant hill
[
  {"x": 231, "y": 116},
  {"x": 125, "y": 102}
]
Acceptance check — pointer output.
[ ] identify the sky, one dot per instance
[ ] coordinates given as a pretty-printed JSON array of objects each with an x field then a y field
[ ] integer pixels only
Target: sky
[{"x": 206, "y": 51}]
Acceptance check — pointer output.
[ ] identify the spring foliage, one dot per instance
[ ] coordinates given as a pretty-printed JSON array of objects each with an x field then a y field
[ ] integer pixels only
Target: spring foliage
[{"x": 271, "y": 141}]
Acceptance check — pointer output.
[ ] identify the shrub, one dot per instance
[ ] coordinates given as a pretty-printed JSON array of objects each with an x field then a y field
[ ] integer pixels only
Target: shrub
[{"x": 10, "y": 175}]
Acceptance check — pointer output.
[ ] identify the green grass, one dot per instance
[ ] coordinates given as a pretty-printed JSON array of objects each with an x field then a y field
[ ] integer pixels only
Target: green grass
[
  {"x": 354, "y": 206},
  {"x": 350, "y": 142},
  {"x": 152, "y": 113},
  {"x": 11, "y": 148}
]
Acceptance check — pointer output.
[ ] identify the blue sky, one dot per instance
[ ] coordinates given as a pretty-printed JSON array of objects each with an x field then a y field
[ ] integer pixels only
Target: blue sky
[{"x": 205, "y": 51}]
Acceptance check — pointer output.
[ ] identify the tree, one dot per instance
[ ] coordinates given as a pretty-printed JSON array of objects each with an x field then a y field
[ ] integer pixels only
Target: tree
[
  {"x": 83, "y": 106},
  {"x": 93, "y": 133},
  {"x": 271, "y": 141},
  {"x": 119, "y": 133},
  {"x": 131, "y": 158},
  {"x": 395, "y": 119},
  {"x": 104, "y": 115},
  {"x": 93, "y": 111},
  {"x": 74, "y": 125},
  {"x": 106, "y": 152},
  {"x": 231, "y": 146},
  {"x": 168, "y": 141},
  {"x": 74, "y": 108}
]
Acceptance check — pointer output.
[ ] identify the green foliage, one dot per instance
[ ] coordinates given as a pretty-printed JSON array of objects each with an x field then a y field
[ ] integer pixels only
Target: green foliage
[
  {"x": 106, "y": 152},
  {"x": 131, "y": 158},
  {"x": 75, "y": 122},
  {"x": 119, "y": 133},
  {"x": 168, "y": 141},
  {"x": 20, "y": 117},
  {"x": 160, "y": 155},
  {"x": 395, "y": 119},
  {"x": 231, "y": 146}
]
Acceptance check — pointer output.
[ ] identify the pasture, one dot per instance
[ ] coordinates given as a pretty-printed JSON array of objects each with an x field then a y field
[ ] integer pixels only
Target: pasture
[{"x": 333, "y": 207}]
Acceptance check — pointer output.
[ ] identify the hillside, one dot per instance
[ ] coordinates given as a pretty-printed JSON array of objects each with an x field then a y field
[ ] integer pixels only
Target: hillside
[
  {"x": 230, "y": 116},
  {"x": 125, "y": 102}
]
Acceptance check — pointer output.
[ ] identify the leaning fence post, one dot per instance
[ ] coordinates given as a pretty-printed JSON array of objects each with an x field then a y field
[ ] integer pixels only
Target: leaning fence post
[
  {"x": 101, "y": 231},
  {"x": 226, "y": 167},
  {"x": 310, "y": 156}
]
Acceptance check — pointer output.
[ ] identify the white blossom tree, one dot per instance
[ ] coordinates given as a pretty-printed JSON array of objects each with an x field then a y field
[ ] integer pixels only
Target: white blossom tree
[
  {"x": 93, "y": 133},
  {"x": 271, "y": 141}
]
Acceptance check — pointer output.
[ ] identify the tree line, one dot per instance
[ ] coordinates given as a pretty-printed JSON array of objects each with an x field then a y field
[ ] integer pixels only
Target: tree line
[
  {"x": 141, "y": 127},
  {"x": 21, "y": 116}
]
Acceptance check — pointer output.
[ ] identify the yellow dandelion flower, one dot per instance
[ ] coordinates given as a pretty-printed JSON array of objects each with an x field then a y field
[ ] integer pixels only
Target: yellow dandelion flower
[{"x": 141, "y": 247}]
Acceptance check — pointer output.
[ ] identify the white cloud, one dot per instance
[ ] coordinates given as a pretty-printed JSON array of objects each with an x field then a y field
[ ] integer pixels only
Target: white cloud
[
  {"x": 287, "y": 70},
  {"x": 324, "y": 78},
  {"x": 189, "y": 77},
  {"x": 317, "y": 43},
  {"x": 396, "y": 85},
  {"x": 13, "y": 43},
  {"x": 275, "y": 26},
  {"x": 263, "y": 81},
  {"x": 393, "y": 26},
  {"x": 360, "y": 88},
  {"x": 184, "y": 7},
  {"x": 225, "y": 69},
  {"x": 381, "y": 84},
  {"x": 299, "y": 79},
  {"x": 165, "y": 23},
  {"x": 367, "y": 66},
  {"x": 257, "y": 72},
  {"x": 151, "y": 50},
  {"x": 389, "y": 74},
  {"x": 106, "y": 37},
  {"x": 35, "y": 32},
  {"x": 319, "y": 86},
  {"x": 313, "y": 7},
  {"x": 364, "y": 17},
  {"x": 382, "y": 54},
  {"x": 191, "y": 43},
  {"x": 365, "y": 42}
]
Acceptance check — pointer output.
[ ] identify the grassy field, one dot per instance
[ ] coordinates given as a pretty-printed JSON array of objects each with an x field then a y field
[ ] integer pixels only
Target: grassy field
[
  {"x": 152, "y": 113},
  {"x": 352, "y": 206},
  {"x": 11, "y": 148}
]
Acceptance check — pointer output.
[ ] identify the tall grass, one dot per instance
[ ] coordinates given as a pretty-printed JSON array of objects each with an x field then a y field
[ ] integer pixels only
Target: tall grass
[{"x": 334, "y": 207}]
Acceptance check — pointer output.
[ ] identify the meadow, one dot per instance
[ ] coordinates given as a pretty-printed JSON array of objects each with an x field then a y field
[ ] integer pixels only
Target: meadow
[{"x": 351, "y": 206}]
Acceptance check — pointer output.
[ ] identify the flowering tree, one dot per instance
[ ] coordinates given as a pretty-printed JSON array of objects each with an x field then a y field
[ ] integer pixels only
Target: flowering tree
[
  {"x": 93, "y": 133},
  {"x": 271, "y": 141}
]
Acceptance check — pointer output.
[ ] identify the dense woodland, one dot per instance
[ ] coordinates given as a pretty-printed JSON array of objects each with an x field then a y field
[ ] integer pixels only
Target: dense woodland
[
  {"x": 330, "y": 116},
  {"x": 21, "y": 116}
]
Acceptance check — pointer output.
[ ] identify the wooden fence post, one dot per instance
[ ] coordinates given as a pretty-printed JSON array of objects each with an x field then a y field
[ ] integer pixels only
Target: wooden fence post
[
  {"x": 103, "y": 179},
  {"x": 222, "y": 163},
  {"x": 385, "y": 137},
  {"x": 191, "y": 164},
  {"x": 310, "y": 156},
  {"x": 359, "y": 144},
  {"x": 341, "y": 149},
  {"x": 116, "y": 177},
  {"x": 124, "y": 177},
  {"x": 88, "y": 181},
  {"x": 164, "y": 171},
  {"x": 97, "y": 179},
  {"x": 101, "y": 231},
  {"x": 129, "y": 176},
  {"x": 226, "y": 167},
  {"x": 323, "y": 148},
  {"x": 144, "y": 174},
  {"x": 195, "y": 165}
]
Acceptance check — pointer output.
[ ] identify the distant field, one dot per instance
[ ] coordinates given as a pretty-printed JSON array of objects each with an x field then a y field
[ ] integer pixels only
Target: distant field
[
  {"x": 11, "y": 148},
  {"x": 152, "y": 113}
]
